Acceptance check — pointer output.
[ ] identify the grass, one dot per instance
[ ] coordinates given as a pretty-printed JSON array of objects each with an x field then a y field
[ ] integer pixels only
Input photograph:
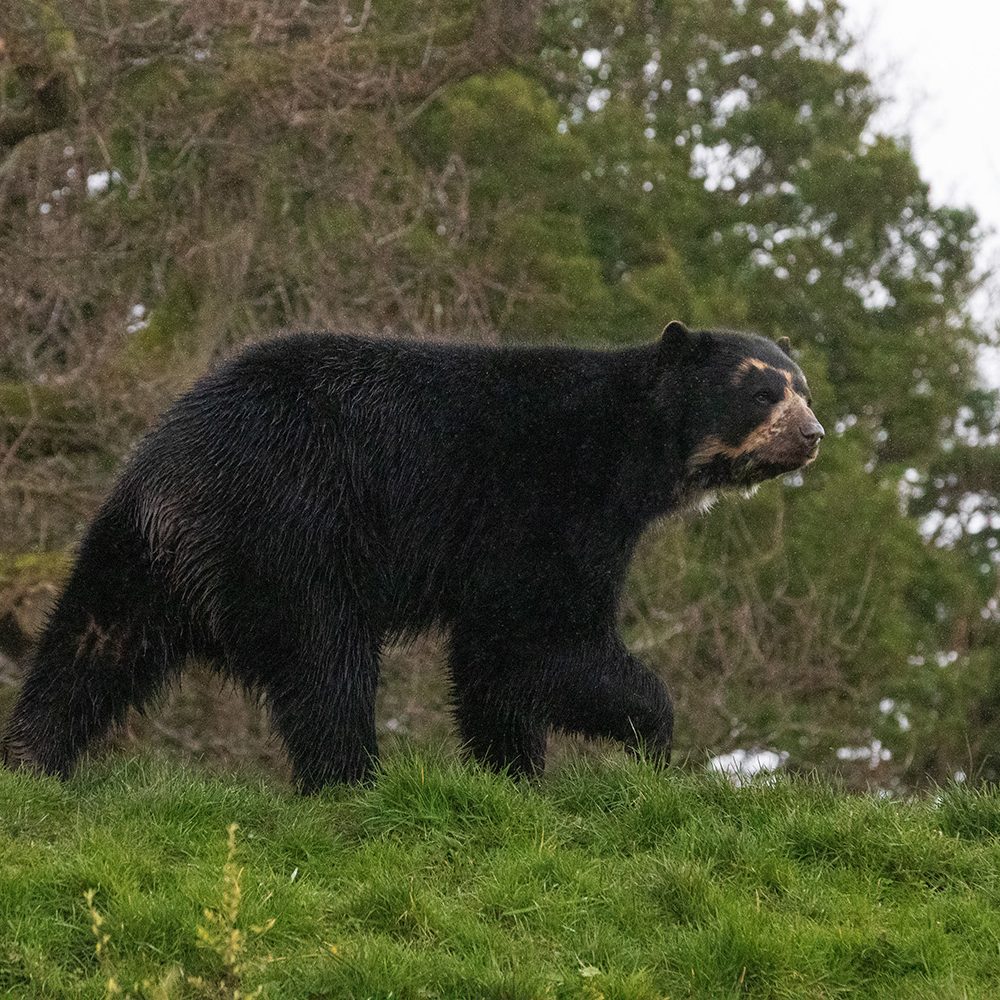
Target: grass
[{"x": 608, "y": 879}]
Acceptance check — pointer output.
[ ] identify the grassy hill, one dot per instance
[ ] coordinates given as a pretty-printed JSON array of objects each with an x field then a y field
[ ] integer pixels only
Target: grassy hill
[{"x": 605, "y": 880}]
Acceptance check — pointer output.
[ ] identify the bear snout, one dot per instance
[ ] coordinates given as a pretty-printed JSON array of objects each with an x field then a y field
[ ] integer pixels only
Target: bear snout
[{"x": 813, "y": 432}]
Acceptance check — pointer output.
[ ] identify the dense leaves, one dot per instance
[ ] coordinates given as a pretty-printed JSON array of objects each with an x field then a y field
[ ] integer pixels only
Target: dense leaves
[{"x": 177, "y": 178}]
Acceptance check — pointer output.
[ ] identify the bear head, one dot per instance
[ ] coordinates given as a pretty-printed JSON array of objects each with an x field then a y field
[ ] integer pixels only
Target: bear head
[{"x": 746, "y": 408}]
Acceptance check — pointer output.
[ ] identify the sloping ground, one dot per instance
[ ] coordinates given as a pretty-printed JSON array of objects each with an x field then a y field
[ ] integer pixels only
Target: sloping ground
[{"x": 607, "y": 879}]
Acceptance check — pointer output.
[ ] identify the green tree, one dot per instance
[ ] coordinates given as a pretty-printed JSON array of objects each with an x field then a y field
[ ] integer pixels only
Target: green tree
[{"x": 178, "y": 178}]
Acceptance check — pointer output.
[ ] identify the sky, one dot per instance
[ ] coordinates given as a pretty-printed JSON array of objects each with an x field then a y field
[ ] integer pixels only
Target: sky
[{"x": 939, "y": 64}]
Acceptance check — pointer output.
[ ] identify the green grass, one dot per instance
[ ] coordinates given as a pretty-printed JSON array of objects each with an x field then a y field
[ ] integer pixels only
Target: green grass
[{"x": 607, "y": 879}]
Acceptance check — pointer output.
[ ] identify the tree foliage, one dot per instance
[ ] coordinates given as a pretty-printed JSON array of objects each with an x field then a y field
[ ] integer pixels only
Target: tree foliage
[{"x": 176, "y": 178}]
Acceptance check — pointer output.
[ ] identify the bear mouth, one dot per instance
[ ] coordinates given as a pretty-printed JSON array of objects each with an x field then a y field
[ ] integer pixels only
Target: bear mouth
[
  {"x": 791, "y": 458},
  {"x": 720, "y": 466},
  {"x": 760, "y": 466},
  {"x": 809, "y": 457}
]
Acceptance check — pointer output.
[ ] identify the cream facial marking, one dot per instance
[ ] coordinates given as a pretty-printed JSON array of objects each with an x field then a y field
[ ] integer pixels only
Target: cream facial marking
[
  {"x": 748, "y": 364},
  {"x": 791, "y": 411}
]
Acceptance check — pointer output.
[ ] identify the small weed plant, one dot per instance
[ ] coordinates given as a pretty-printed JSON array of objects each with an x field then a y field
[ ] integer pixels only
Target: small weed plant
[{"x": 220, "y": 935}]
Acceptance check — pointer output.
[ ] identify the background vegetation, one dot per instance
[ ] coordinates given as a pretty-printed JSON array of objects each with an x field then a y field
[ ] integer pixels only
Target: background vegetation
[{"x": 177, "y": 178}]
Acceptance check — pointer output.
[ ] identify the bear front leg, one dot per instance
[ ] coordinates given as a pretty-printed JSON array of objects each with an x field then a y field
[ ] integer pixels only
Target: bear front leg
[
  {"x": 598, "y": 689},
  {"x": 496, "y": 710}
]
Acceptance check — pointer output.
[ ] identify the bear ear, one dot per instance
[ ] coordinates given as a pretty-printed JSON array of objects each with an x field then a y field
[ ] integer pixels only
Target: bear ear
[
  {"x": 677, "y": 341},
  {"x": 784, "y": 345},
  {"x": 675, "y": 331}
]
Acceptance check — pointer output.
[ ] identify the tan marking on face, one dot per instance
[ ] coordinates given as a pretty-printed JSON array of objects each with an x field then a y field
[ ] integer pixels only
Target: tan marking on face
[
  {"x": 785, "y": 418},
  {"x": 748, "y": 363}
]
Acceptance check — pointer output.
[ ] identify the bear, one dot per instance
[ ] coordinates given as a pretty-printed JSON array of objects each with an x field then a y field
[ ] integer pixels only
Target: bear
[{"x": 321, "y": 494}]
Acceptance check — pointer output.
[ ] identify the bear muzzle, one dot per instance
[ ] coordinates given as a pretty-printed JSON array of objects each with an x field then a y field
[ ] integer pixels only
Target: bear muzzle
[
  {"x": 811, "y": 432},
  {"x": 787, "y": 440}
]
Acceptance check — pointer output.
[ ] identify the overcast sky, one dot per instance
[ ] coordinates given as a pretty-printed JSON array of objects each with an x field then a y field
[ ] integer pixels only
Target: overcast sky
[{"x": 940, "y": 64}]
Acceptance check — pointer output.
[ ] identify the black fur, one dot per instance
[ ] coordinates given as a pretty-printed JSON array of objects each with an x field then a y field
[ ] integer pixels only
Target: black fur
[{"x": 318, "y": 495}]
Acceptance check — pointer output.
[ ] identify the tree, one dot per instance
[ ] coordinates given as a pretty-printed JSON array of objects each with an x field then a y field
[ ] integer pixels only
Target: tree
[{"x": 175, "y": 179}]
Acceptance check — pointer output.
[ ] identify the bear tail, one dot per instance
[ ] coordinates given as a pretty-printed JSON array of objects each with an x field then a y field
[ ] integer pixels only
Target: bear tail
[{"x": 111, "y": 642}]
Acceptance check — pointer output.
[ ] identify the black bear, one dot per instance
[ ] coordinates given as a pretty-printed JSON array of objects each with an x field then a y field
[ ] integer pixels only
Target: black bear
[{"x": 319, "y": 494}]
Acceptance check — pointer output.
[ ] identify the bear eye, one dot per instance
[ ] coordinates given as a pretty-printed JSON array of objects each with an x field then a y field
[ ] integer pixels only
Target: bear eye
[{"x": 766, "y": 396}]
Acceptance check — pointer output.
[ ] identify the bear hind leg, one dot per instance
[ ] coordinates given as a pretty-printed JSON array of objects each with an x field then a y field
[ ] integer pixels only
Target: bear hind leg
[
  {"x": 91, "y": 666},
  {"x": 323, "y": 705}
]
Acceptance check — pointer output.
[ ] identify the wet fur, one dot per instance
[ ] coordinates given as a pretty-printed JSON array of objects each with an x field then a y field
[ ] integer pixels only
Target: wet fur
[{"x": 320, "y": 495}]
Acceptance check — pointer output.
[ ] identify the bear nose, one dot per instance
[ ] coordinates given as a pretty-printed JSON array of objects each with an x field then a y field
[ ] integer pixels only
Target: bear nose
[{"x": 813, "y": 431}]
